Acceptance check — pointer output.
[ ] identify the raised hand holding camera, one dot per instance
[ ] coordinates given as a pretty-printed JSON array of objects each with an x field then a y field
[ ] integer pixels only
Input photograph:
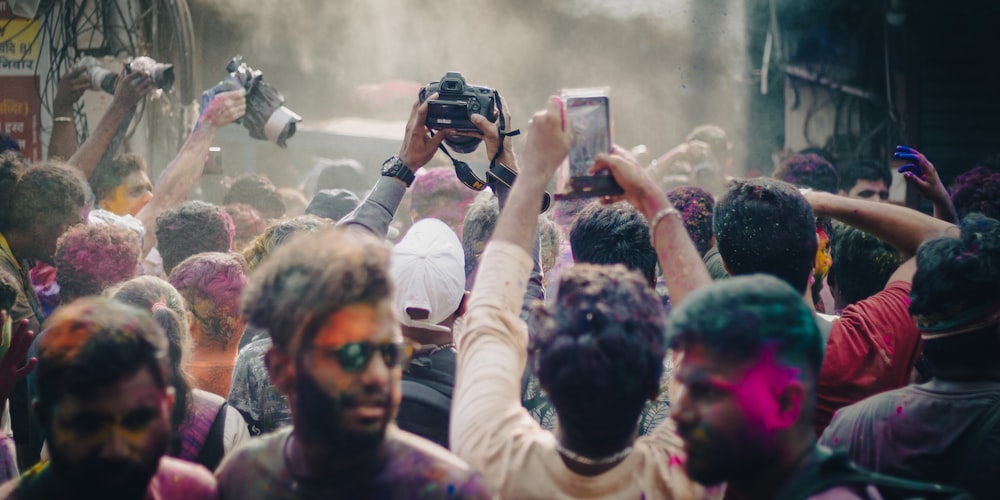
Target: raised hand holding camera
[
  {"x": 419, "y": 144},
  {"x": 266, "y": 117},
  {"x": 453, "y": 107}
]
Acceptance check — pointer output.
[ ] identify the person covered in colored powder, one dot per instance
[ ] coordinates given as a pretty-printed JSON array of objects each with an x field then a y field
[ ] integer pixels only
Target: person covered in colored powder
[
  {"x": 752, "y": 354},
  {"x": 601, "y": 314},
  {"x": 947, "y": 429},
  {"x": 337, "y": 355},
  {"x": 104, "y": 402}
]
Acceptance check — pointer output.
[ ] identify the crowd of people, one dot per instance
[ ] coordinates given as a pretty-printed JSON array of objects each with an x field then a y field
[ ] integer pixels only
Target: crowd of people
[{"x": 697, "y": 336}]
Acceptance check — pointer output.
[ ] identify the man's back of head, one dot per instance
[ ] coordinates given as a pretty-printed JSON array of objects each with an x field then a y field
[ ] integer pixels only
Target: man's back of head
[
  {"x": 810, "y": 171},
  {"x": 614, "y": 234},
  {"x": 190, "y": 228},
  {"x": 438, "y": 194},
  {"x": 766, "y": 226},
  {"x": 598, "y": 352},
  {"x": 428, "y": 271},
  {"x": 955, "y": 300},
  {"x": 862, "y": 264},
  {"x": 212, "y": 284},
  {"x": 257, "y": 191},
  {"x": 696, "y": 207},
  {"x": 92, "y": 257},
  {"x": 977, "y": 191}
]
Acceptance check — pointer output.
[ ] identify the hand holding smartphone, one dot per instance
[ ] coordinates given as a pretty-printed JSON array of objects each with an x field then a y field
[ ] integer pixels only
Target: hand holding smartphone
[{"x": 588, "y": 113}]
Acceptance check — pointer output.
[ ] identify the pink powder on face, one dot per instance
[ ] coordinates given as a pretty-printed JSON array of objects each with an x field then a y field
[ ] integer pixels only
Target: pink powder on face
[{"x": 758, "y": 390}]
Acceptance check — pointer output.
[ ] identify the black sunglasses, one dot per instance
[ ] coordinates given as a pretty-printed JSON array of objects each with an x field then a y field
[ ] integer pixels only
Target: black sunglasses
[{"x": 354, "y": 357}]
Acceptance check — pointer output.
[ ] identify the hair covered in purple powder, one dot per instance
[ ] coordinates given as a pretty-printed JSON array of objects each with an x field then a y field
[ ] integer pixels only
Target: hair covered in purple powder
[{"x": 92, "y": 257}]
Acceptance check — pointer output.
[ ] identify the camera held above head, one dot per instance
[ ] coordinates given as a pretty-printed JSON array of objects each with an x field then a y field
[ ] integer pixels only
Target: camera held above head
[
  {"x": 106, "y": 80},
  {"x": 456, "y": 103},
  {"x": 267, "y": 118}
]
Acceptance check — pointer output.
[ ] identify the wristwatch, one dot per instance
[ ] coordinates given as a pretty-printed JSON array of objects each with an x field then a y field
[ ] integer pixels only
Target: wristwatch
[{"x": 393, "y": 167}]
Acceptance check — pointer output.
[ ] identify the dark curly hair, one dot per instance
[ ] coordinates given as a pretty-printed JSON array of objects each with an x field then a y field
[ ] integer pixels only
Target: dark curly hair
[
  {"x": 92, "y": 257},
  {"x": 109, "y": 175},
  {"x": 190, "y": 228},
  {"x": 862, "y": 263},
  {"x": 598, "y": 351},
  {"x": 46, "y": 194},
  {"x": 316, "y": 274},
  {"x": 766, "y": 226},
  {"x": 868, "y": 170},
  {"x": 808, "y": 170},
  {"x": 613, "y": 234},
  {"x": 956, "y": 277},
  {"x": 257, "y": 191},
  {"x": 735, "y": 320},
  {"x": 696, "y": 206},
  {"x": 977, "y": 191}
]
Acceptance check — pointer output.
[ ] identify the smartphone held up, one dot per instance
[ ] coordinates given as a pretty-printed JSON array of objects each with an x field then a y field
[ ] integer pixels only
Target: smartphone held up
[{"x": 588, "y": 113}]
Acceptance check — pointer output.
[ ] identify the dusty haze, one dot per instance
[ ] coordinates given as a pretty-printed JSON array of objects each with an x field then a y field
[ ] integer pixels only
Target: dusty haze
[{"x": 670, "y": 64}]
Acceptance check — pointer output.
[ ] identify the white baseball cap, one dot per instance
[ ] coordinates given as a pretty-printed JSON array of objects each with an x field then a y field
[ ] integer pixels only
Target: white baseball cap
[{"x": 428, "y": 268}]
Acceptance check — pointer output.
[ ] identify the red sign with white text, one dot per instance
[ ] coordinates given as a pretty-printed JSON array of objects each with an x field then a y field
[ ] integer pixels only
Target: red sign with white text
[{"x": 20, "y": 112}]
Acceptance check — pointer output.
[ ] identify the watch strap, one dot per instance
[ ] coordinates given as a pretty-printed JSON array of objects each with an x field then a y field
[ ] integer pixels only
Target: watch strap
[
  {"x": 394, "y": 167},
  {"x": 500, "y": 174}
]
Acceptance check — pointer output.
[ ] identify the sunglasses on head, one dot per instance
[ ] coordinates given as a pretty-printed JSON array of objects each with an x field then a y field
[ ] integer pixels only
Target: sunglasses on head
[{"x": 354, "y": 357}]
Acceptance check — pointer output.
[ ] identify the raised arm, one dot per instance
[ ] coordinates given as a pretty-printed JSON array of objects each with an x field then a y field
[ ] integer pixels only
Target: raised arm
[
  {"x": 72, "y": 85},
  {"x": 131, "y": 89},
  {"x": 487, "y": 420},
  {"x": 922, "y": 175},
  {"x": 376, "y": 211},
  {"x": 683, "y": 269},
  {"x": 546, "y": 146},
  {"x": 903, "y": 228},
  {"x": 184, "y": 171}
]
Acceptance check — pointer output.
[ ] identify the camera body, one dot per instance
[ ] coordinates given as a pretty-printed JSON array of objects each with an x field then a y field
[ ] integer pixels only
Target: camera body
[
  {"x": 457, "y": 101},
  {"x": 106, "y": 80},
  {"x": 267, "y": 118},
  {"x": 163, "y": 74}
]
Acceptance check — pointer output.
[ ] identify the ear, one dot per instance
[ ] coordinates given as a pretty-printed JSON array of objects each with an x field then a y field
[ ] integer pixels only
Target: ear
[
  {"x": 841, "y": 192},
  {"x": 281, "y": 370},
  {"x": 790, "y": 401},
  {"x": 104, "y": 204}
]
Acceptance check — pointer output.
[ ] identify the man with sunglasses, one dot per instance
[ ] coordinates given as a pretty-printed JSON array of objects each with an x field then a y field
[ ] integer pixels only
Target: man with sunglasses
[{"x": 337, "y": 355}]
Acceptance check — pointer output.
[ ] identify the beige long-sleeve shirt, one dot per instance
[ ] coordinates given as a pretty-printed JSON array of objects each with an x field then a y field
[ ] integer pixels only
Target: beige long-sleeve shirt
[{"x": 495, "y": 434}]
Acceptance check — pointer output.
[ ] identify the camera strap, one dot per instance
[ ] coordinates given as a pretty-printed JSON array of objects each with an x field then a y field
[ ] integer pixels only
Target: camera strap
[{"x": 465, "y": 173}]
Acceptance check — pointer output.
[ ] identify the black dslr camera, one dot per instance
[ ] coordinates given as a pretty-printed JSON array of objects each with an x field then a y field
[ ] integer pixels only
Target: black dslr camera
[{"x": 456, "y": 103}]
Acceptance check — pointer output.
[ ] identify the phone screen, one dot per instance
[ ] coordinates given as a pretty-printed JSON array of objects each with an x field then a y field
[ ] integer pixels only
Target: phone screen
[
  {"x": 588, "y": 113},
  {"x": 591, "y": 131}
]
